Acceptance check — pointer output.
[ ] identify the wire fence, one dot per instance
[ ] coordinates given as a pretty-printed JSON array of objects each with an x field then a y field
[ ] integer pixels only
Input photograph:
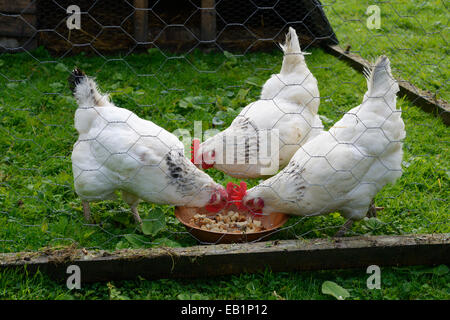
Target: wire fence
[{"x": 215, "y": 71}]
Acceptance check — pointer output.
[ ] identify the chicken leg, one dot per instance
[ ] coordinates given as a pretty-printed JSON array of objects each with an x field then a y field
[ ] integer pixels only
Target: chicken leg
[
  {"x": 133, "y": 202},
  {"x": 86, "y": 210},
  {"x": 135, "y": 212},
  {"x": 371, "y": 213}
]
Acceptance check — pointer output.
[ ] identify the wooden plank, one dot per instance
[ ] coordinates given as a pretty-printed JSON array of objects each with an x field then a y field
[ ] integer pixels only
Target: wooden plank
[
  {"x": 141, "y": 21},
  {"x": 424, "y": 99},
  {"x": 208, "y": 20},
  {"x": 17, "y": 6},
  {"x": 225, "y": 259},
  {"x": 15, "y": 26}
]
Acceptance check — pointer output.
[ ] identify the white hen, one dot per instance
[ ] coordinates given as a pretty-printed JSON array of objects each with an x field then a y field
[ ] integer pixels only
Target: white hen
[
  {"x": 117, "y": 150},
  {"x": 287, "y": 108},
  {"x": 344, "y": 168}
]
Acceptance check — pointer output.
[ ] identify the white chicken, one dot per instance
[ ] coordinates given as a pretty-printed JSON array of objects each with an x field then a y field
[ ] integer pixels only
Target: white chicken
[
  {"x": 342, "y": 169},
  {"x": 117, "y": 150},
  {"x": 287, "y": 109}
]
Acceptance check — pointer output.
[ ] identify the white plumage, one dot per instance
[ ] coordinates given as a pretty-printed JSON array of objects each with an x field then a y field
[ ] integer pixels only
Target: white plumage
[
  {"x": 289, "y": 102},
  {"x": 344, "y": 168},
  {"x": 117, "y": 150}
]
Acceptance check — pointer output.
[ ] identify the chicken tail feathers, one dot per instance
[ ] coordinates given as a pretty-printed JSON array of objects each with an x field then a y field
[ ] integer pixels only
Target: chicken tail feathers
[
  {"x": 380, "y": 81},
  {"x": 293, "y": 54},
  {"x": 75, "y": 78},
  {"x": 85, "y": 89}
]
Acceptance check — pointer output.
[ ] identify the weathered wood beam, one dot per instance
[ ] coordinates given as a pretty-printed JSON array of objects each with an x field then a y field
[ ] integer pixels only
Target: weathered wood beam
[
  {"x": 17, "y": 26},
  {"x": 208, "y": 20},
  {"x": 426, "y": 100},
  {"x": 226, "y": 259},
  {"x": 18, "y": 6},
  {"x": 141, "y": 20}
]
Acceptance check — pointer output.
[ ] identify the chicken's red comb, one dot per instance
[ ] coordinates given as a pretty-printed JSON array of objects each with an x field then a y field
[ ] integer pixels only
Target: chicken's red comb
[
  {"x": 236, "y": 193},
  {"x": 198, "y": 159},
  {"x": 194, "y": 148}
]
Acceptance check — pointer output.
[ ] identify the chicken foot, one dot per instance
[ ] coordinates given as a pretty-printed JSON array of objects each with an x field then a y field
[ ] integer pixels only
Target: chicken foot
[{"x": 345, "y": 227}]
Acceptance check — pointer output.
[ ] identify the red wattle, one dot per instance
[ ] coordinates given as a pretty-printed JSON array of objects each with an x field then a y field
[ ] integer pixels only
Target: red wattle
[
  {"x": 198, "y": 159},
  {"x": 214, "y": 208},
  {"x": 206, "y": 166},
  {"x": 194, "y": 148},
  {"x": 236, "y": 193}
]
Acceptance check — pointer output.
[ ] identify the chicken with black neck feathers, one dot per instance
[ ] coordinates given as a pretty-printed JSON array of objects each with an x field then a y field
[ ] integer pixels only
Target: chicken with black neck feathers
[
  {"x": 118, "y": 151},
  {"x": 342, "y": 169}
]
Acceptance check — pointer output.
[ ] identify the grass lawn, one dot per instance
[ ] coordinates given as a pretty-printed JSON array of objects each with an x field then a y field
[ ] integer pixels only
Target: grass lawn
[
  {"x": 397, "y": 283},
  {"x": 414, "y": 34},
  {"x": 38, "y": 206}
]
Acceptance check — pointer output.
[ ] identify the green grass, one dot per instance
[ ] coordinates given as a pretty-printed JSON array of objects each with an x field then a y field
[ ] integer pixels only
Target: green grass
[
  {"x": 39, "y": 208},
  {"x": 413, "y": 34},
  {"x": 396, "y": 283}
]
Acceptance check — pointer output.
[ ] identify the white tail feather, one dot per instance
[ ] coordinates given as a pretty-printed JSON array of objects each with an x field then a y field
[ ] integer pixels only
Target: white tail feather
[
  {"x": 380, "y": 81},
  {"x": 87, "y": 94},
  {"x": 293, "y": 54}
]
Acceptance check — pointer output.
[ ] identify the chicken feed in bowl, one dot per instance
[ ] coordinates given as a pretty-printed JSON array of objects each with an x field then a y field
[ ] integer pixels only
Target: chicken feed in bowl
[
  {"x": 229, "y": 226},
  {"x": 228, "y": 222}
]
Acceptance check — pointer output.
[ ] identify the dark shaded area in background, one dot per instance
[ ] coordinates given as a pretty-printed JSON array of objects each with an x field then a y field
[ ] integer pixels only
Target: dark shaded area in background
[{"x": 108, "y": 26}]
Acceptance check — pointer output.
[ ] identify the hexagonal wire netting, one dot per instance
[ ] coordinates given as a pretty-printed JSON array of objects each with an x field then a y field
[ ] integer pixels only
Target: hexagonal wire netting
[{"x": 204, "y": 67}]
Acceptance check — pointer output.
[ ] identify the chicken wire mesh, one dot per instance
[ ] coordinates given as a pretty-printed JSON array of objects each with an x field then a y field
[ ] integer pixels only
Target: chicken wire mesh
[{"x": 177, "y": 78}]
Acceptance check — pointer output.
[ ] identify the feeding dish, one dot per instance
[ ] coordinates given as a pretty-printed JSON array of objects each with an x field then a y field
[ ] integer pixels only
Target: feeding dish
[{"x": 269, "y": 222}]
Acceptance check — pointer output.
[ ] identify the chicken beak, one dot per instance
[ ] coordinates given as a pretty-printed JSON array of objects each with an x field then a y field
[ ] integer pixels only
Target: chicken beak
[
  {"x": 219, "y": 196},
  {"x": 223, "y": 195},
  {"x": 256, "y": 204}
]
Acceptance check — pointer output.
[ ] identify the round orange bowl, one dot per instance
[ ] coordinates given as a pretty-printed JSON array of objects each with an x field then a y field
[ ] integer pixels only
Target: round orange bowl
[{"x": 270, "y": 223}]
